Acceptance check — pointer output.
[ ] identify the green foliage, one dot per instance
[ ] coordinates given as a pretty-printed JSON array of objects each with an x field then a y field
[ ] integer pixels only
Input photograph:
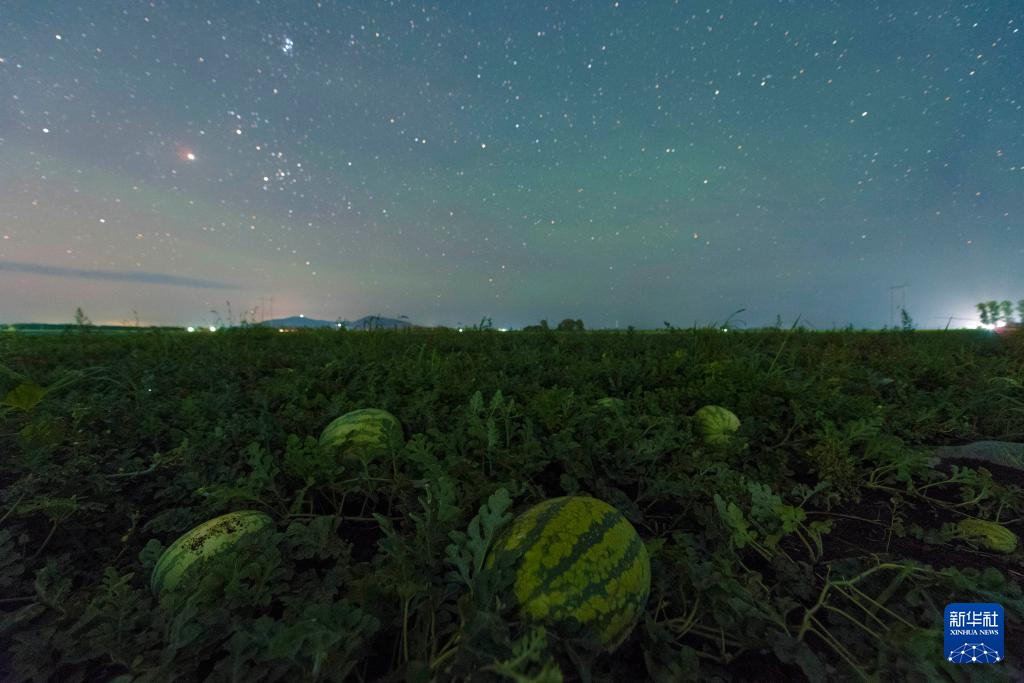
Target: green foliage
[
  {"x": 1006, "y": 311},
  {"x": 25, "y": 396},
  {"x": 319, "y": 642},
  {"x": 822, "y": 545},
  {"x": 469, "y": 550},
  {"x": 530, "y": 661},
  {"x": 995, "y": 312}
]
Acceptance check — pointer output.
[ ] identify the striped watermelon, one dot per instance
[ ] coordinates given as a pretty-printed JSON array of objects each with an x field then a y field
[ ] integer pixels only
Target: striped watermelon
[
  {"x": 202, "y": 543},
  {"x": 577, "y": 559},
  {"x": 716, "y": 424},
  {"x": 363, "y": 434},
  {"x": 990, "y": 535}
]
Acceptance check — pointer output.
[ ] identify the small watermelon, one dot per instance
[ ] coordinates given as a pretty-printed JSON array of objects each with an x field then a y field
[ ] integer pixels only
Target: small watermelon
[
  {"x": 578, "y": 560},
  {"x": 611, "y": 403},
  {"x": 990, "y": 535},
  {"x": 716, "y": 424},
  {"x": 363, "y": 434},
  {"x": 202, "y": 543}
]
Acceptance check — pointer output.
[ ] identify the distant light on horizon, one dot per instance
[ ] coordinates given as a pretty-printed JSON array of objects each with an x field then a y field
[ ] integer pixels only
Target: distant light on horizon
[
  {"x": 212, "y": 328},
  {"x": 190, "y": 328}
]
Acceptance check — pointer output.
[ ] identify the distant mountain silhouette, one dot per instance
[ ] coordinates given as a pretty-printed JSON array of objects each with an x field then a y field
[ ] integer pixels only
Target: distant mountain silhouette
[
  {"x": 368, "y": 322},
  {"x": 299, "y": 321}
]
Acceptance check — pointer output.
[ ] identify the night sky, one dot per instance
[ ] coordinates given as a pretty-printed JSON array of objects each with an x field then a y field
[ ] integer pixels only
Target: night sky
[{"x": 619, "y": 162}]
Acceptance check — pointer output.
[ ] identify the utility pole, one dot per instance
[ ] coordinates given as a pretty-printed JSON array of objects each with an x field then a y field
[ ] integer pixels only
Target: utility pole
[
  {"x": 950, "y": 320},
  {"x": 892, "y": 301}
]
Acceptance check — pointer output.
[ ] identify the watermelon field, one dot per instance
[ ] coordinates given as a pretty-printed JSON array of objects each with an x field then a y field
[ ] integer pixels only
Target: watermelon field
[{"x": 686, "y": 505}]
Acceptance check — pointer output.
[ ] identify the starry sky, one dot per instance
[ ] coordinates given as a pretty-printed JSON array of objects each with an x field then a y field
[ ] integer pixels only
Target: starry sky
[{"x": 621, "y": 162}]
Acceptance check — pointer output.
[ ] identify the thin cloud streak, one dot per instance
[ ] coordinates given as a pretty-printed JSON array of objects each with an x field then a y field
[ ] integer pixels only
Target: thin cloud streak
[{"x": 111, "y": 275}]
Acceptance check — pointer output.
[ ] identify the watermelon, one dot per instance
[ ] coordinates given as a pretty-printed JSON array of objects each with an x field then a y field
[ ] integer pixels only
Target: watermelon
[
  {"x": 203, "y": 543},
  {"x": 716, "y": 424},
  {"x": 611, "y": 403},
  {"x": 578, "y": 561},
  {"x": 363, "y": 435},
  {"x": 990, "y": 535}
]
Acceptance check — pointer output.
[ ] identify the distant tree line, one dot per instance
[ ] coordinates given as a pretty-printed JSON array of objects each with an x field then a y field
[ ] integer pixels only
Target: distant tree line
[
  {"x": 567, "y": 325},
  {"x": 995, "y": 312}
]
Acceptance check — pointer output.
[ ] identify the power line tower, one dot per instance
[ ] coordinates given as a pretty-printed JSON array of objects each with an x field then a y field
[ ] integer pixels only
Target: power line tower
[{"x": 892, "y": 301}]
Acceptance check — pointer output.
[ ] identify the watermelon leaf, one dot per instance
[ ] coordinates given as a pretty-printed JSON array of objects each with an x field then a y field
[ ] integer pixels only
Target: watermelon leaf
[
  {"x": 733, "y": 517},
  {"x": 469, "y": 551},
  {"x": 117, "y": 620},
  {"x": 184, "y": 626},
  {"x": 25, "y": 396},
  {"x": 263, "y": 464},
  {"x": 11, "y": 561},
  {"x": 531, "y": 650},
  {"x": 53, "y": 584},
  {"x": 150, "y": 554},
  {"x": 793, "y": 651},
  {"x": 324, "y": 635},
  {"x": 315, "y": 538}
]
